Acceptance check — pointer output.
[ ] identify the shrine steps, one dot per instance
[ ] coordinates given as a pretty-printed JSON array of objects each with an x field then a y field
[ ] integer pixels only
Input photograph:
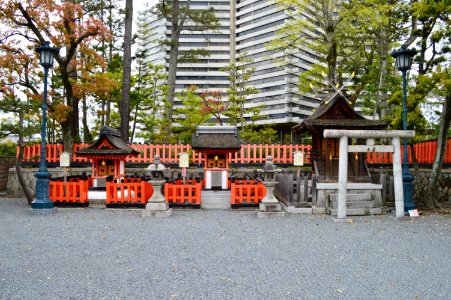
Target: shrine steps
[
  {"x": 215, "y": 199},
  {"x": 359, "y": 204}
]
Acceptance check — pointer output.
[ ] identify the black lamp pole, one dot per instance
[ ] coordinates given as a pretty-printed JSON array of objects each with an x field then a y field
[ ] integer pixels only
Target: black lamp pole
[
  {"x": 403, "y": 58},
  {"x": 42, "y": 200}
]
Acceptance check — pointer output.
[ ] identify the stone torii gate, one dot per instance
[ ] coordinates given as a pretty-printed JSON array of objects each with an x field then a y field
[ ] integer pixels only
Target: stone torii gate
[{"x": 369, "y": 135}]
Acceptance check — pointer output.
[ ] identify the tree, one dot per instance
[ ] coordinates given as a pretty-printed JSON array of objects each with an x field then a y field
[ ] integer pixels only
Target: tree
[
  {"x": 213, "y": 104},
  {"x": 239, "y": 73},
  {"x": 126, "y": 75},
  {"x": 31, "y": 24},
  {"x": 182, "y": 17},
  {"x": 10, "y": 102},
  {"x": 443, "y": 90},
  {"x": 190, "y": 115},
  {"x": 151, "y": 92}
]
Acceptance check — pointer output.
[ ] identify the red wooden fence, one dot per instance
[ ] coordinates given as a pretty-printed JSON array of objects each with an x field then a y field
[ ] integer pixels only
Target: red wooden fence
[
  {"x": 188, "y": 193},
  {"x": 128, "y": 193},
  {"x": 69, "y": 192},
  {"x": 249, "y": 153},
  {"x": 247, "y": 192}
]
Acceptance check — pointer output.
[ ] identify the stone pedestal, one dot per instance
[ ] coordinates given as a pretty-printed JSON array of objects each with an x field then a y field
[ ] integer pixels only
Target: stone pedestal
[
  {"x": 157, "y": 207},
  {"x": 269, "y": 206}
]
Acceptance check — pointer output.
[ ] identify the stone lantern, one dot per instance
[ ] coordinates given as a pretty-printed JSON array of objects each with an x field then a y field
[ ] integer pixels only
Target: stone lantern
[
  {"x": 269, "y": 206},
  {"x": 157, "y": 169},
  {"x": 157, "y": 206}
]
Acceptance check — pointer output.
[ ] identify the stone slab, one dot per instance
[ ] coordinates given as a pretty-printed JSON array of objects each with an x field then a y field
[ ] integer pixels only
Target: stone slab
[
  {"x": 291, "y": 209},
  {"x": 375, "y": 211},
  {"x": 349, "y": 186},
  {"x": 156, "y": 213},
  {"x": 352, "y": 197},
  {"x": 215, "y": 200},
  {"x": 318, "y": 210},
  {"x": 354, "y": 204},
  {"x": 356, "y": 211},
  {"x": 272, "y": 214},
  {"x": 345, "y": 220}
]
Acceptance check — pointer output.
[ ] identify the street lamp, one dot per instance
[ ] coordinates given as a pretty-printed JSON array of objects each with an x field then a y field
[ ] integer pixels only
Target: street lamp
[
  {"x": 42, "y": 200},
  {"x": 403, "y": 58}
]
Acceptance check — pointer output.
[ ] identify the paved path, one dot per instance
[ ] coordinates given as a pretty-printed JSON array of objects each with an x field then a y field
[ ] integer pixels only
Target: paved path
[{"x": 104, "y": 254}]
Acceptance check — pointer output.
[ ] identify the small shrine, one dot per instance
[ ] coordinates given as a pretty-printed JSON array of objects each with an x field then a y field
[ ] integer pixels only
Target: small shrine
[
  {"x": 215, "y": 143},
  {"x": 335, "y": 113},
  {"x": 108, "y": 156}
]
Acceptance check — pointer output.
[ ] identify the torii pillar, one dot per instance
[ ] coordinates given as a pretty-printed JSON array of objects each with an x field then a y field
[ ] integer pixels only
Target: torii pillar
[{"x": 395, "y": 147}]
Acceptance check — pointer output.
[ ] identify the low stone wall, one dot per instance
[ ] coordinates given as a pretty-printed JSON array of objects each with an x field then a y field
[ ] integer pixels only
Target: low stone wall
[
  {"x": 421, "y": 181},
  {"x": 6, "y": 162},
  {"x": 419, "y": 184}
]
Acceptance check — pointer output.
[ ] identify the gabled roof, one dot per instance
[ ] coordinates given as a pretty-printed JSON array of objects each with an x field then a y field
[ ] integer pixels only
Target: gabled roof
[
  {"x": 216, "y": 137},
  {"x": 337, "y": 114},
  {"x": 108, "y": 143}
]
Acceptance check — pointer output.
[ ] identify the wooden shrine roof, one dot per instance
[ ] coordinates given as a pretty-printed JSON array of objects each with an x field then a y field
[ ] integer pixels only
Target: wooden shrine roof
[
  {"x": 109, "y": 143},
  {"x": 216, "y": 138},
  {"x": 337, "y": 114}
]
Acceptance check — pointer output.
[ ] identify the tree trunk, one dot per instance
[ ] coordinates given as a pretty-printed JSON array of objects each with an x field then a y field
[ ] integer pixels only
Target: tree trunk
[
  {"x": 172, "y": 72},
  {"x": 26, "y": 190},
  {"x": 442, "y": 139},
  {"x": 73, "y": 104},
  {"x": 127, "y": 67},
  {"x": 87, "y": 136},
  {"x": 383, "y": 66}
]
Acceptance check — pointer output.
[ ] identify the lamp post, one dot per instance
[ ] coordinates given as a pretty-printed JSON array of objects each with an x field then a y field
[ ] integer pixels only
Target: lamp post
[
  {"x": 403, "y": 58},
  {"x": 42, "y": 200}
]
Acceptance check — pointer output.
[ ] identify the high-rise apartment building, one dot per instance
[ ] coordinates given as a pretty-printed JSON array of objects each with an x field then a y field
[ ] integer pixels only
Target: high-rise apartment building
[{"x": 246, "y": 26}]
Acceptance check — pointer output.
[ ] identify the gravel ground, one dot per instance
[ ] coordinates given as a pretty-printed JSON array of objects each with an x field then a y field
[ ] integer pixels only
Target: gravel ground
[{"x": 93, "y": 253}]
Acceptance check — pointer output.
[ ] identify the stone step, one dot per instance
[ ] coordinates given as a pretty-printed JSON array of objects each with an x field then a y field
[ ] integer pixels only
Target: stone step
[
  {"x": 354, "y": 204},
  {"x": 353, "y": 201},
  {"x": 356, "y": 211},
  {"x": 352, "y": 197},
  {"x": 215, "y": 200},
  {"x": 3, "y": 194}
]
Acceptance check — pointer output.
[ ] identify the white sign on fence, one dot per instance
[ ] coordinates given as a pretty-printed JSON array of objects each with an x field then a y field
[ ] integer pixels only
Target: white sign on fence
[
  {"x": 298, "y": 158},
  {"x": 184, "y": 160},
  {"x": 64, "y": 159}
]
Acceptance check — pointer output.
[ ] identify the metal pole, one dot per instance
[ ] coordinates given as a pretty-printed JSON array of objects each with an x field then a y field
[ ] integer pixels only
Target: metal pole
[
  {"x": 42, "y": 200},
  {"x": 407, "y": 178}
]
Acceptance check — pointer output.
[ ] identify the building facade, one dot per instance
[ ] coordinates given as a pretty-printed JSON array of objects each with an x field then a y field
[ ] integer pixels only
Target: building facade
[{"x": 246, "y": 27}]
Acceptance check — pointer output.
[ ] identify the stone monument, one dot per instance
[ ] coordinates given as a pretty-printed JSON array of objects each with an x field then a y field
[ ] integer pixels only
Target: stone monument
[
  {"x": 269, "y": 206},
  {"x": 157, "y": 206}
]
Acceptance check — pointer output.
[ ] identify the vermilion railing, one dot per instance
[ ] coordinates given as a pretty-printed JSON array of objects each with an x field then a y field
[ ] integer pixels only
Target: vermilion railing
[
  {"x": 424, "y": 152},
  {"x": 69, "y": 192},
  {"x": 128, "y": 193},
  {"x": 188, "y": 193},
  {"x": 248, "y": 154},
  {"x": 247, "y": 192}
]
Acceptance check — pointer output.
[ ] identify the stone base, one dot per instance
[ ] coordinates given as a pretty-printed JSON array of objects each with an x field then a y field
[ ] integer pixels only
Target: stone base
[
  {"x": 147, "y": 213},
  {"x": 356, "y": 211},
  {"x": 318, "y": 210},
  {"x": 291, "y": 209},
  {"x": 42, "y": 211},
  {"x": 345, "y": 220},
  {"x": 157, "y": 206},
  {"x": 270, "y": 214},
  {"x": 270, "y": 207}
]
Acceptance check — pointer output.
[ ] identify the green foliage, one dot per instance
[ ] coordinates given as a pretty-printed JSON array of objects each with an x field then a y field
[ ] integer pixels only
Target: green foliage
[
  {"x": 263, "y": 135},
  {"x": 191, "y": 114},
  {"x": 239, "y": 74},
  {"x": 7, "y": 149},
  {"x": 149, "y": 100}
]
